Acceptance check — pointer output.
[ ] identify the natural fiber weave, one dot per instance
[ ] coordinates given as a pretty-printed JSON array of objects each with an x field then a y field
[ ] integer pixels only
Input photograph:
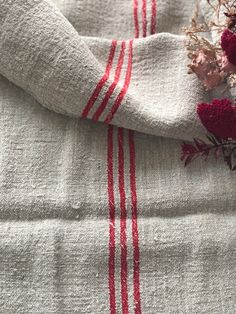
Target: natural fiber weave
[{"x": 97, "y": 218}]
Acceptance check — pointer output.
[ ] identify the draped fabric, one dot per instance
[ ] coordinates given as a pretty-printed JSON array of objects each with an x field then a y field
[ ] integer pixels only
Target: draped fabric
[{"x": 97, "y": 212}]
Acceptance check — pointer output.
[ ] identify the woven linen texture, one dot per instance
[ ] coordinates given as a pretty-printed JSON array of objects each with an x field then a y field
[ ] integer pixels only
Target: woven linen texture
[{"x": 97, "y": 213}]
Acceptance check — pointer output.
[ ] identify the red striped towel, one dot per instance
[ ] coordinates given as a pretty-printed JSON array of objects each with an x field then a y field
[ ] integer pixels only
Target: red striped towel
[{"x": 97, "y": 217}]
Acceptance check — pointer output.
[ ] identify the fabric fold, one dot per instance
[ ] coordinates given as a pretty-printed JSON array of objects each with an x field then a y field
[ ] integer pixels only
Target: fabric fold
[
  {"x": 141, "y": 84},
  {"x": 97, "y": 219}
]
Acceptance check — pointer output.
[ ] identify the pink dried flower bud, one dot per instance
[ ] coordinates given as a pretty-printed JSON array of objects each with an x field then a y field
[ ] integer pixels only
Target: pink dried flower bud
[
  {"x": 225, "y": 65},
  {"x": 205, "y": 66},
  {"x": 200, "y": 63},
  {"x": 213, "y": 79}
]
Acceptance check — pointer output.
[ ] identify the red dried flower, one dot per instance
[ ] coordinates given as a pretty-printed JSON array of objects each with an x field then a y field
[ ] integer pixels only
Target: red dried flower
[
  {"x": 219, "y": 118},
  {"x": 228, "y": 44}
]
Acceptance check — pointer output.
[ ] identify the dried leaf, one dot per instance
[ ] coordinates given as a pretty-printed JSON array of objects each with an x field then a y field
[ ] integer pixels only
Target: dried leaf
[
  {"x": 212, "y": 139},
  {"x": 187, "y": 161}
]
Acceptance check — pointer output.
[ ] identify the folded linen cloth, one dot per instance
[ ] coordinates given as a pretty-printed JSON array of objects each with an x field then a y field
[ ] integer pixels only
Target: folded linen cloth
[
  {"x": 141, "y": 84},
  {"x": 97, "y": 218}
]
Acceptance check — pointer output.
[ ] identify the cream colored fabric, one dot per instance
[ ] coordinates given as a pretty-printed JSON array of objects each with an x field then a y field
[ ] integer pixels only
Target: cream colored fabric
[
  {"x": 60, "y": 68},
  {"x": 178, "y": 254}
]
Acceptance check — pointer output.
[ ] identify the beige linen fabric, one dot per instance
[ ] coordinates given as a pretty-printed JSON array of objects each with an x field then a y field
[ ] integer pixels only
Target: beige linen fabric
[
  {"x": 101, "y": 219},
  {"x": 61, "y": 69}
]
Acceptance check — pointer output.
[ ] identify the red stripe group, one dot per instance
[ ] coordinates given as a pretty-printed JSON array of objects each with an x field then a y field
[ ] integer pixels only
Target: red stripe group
[
  {"x": 105, "y": 78},
  {"x": 123, "y": 221},
  {"x": 125, "y": 87},
  {"x": 144, "y": 17},
  {"x": 138, "y": 5},
  {"x": 101, "y": 84},
  {"x": 113, "y": 85}
]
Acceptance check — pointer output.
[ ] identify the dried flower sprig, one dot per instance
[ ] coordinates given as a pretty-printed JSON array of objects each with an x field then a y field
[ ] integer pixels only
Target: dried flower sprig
[
  {"x": 219, "y": 119},
  {"x": 213, "y": 62},
  {"x": 217, "y": 5},
  {"x": 216, "y": 146}
]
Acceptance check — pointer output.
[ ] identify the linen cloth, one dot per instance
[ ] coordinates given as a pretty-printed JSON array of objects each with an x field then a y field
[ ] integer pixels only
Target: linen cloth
[{"x": 98, "y": 217}]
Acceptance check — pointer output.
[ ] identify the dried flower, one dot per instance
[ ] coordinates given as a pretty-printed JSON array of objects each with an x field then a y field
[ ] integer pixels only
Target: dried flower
[
  {"x": 225, "y": 65},
  {"x": 219, "y": 118},
  {"x": 206, "y": 67},
  {"x": 216, "y": 146},
  {"x": 213, "y": 79},
  {"x": 200, "y": 65},
  {"x": 192, "y": 151},
  {"x": 213, "y": 62},
  {"x": 228, "y": 44}
]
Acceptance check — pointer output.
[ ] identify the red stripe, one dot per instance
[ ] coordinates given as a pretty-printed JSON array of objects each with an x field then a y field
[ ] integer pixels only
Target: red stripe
[
  {"x": 111, "y": 200},
  {"x": 103, "y": 105},
  {"x": 135, "y": 235},
  {"x": 136, "y": 24},
  {"x": 125, "y": 87},
  {"x": 144, "y": 15},
  {"x": 123, "y": 216},
  {"x": 154, "y": 16},
  {"x": 102, "y": 82}
]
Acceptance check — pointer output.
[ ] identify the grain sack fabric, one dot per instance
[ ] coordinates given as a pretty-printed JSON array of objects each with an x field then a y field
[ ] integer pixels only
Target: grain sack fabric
[{"x": 97, "y": 213}]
